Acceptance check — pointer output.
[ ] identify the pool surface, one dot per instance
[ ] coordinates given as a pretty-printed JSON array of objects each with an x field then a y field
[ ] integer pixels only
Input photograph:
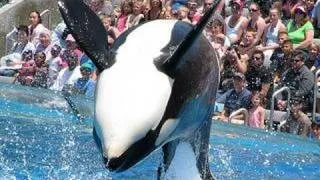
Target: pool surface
[{"x": 42, "y": 137}]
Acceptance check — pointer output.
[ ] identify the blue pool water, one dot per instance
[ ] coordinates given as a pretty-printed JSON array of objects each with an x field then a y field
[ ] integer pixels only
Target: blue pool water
[{"x": 41, "y": 137}]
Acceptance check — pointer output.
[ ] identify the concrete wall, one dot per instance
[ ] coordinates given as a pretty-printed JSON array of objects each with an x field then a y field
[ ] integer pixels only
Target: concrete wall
[{"x": 17, "y": 13}]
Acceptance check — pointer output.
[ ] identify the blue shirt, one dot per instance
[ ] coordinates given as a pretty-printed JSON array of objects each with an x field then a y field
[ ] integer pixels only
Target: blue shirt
[
  {"x": 86, "y": 86},
  {"x": 233, "y": 101}
]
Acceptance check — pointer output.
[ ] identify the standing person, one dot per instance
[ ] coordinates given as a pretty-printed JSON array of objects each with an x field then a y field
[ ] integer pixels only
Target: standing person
[
  {"x": 36, "y": 27},
  {"x": 256, "y": 112},
  {"x": 236, "y": 23},
  {"x": 298, "y": 122}
]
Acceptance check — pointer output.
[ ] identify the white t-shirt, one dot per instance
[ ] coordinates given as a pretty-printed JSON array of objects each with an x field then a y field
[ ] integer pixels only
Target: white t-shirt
[{"x": 66, "y": 76}]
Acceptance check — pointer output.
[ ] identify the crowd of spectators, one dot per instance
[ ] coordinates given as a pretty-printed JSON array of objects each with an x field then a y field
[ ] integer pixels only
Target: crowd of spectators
[{"x": 259, "y": 52}]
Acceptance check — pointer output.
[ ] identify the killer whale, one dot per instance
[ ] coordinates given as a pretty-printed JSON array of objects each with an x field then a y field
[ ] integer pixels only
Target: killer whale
[{"x": 153, "y": 90}]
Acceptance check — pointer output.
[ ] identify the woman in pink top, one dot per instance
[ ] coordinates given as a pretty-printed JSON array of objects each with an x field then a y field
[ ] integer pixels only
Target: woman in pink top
[
  {"x": 256, "y": 112},
  {"x": 125, "y": 11}
]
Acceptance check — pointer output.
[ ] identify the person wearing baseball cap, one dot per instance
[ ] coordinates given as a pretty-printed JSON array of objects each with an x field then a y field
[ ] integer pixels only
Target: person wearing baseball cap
[
  {"x": 236, "y": 23},
  {"x": 300, "y": 79},
  {"x": 235, "y": 98}
]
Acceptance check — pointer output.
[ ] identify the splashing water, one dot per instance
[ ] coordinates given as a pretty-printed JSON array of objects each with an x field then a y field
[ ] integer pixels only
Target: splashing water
[{"x": 42, "y": 141}]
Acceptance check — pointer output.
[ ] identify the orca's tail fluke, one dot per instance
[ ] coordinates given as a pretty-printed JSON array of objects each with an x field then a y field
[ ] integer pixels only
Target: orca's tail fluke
[{"x": 87, "y": 29}]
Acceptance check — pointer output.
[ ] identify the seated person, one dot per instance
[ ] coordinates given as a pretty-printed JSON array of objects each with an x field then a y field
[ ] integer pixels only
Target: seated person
[
  {"x": 85, "y": 84},
  {"x": 315, "y": 127},
  {"x": 41, "y": 71},
  {"x": 300, "y": 80},
  {"x": 281, "y": 60},
  {"x": 246, "y": 46},
  {"x": 216, "y": 34},
  {"x": 313, "y": 61},
  {"x": 236, "y": 23},
  {"x": 256, "y": 23},
  {"x": 68, "y": 75},
  {"x": 232, "y": 62},
  {"x": 136, "y": 17},
  {"x": 270, "y": 38},
  {"x": 27, "y": 71},
  {"x": 258, "y": 76},
  {"x": 183, "y": 14},
  {"x": 11, "y": 62},
  {"x": 300, "y": 29},
  {"x": 235, "y": 98},
  {"x": 54, "y": 64},
  {"x": 45, "y": 44},
  {"x": 298, "y": 122}
]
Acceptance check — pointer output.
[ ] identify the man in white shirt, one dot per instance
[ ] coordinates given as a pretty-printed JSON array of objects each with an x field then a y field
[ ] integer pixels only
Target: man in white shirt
[{"x": 69, "y": 75}]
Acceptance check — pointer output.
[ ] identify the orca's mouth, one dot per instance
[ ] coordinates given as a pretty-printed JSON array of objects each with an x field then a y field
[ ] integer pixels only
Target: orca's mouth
[
  {"x": 114, "y": 164},
  {"x": 137, "y": 152}
]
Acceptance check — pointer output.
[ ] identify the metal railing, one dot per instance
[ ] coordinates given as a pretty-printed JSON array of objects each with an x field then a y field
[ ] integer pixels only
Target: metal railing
[
  {"x": 240, "y": 111},
  {"x": 270, "y": 125},
  {"x": 46, "y": 18},
  {"x": 315, "y": 94}
]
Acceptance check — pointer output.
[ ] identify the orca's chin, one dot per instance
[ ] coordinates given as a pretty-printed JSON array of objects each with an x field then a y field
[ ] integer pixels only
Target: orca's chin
[{"x": 116, "y": 165}]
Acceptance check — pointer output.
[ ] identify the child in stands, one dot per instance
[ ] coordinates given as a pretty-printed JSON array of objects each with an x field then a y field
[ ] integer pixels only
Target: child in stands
[{"x": 256, "y": 112}]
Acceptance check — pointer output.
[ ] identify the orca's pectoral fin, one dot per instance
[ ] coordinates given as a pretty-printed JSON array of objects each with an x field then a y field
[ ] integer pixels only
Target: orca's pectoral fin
[
  {"x": 171, "y": 62},
  {"x": 87, "y": 29},
  {"x": 200, "y": 143}
]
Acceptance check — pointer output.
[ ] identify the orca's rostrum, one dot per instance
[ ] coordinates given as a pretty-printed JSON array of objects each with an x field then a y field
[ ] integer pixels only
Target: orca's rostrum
[{"x": 156, "y": 88}]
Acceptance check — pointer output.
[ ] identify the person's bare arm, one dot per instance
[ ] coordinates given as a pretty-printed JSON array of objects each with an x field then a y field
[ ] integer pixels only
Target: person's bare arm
[
  {"x": 261, "y": 26},
  {"x": 244, "y": 25},
  {"x": 264, "y": 89},
  {"x": 308, "y": 40}
]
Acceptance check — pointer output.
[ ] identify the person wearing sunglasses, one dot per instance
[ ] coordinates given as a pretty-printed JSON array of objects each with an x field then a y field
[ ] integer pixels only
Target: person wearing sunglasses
[
  {"x": 299, "y": 79},
  {"x": 258, "y": 76},
  {"x": 236, "y": 23},
  {"x": 256, "y": 22},
  {"x": 300, "y": 29}
]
